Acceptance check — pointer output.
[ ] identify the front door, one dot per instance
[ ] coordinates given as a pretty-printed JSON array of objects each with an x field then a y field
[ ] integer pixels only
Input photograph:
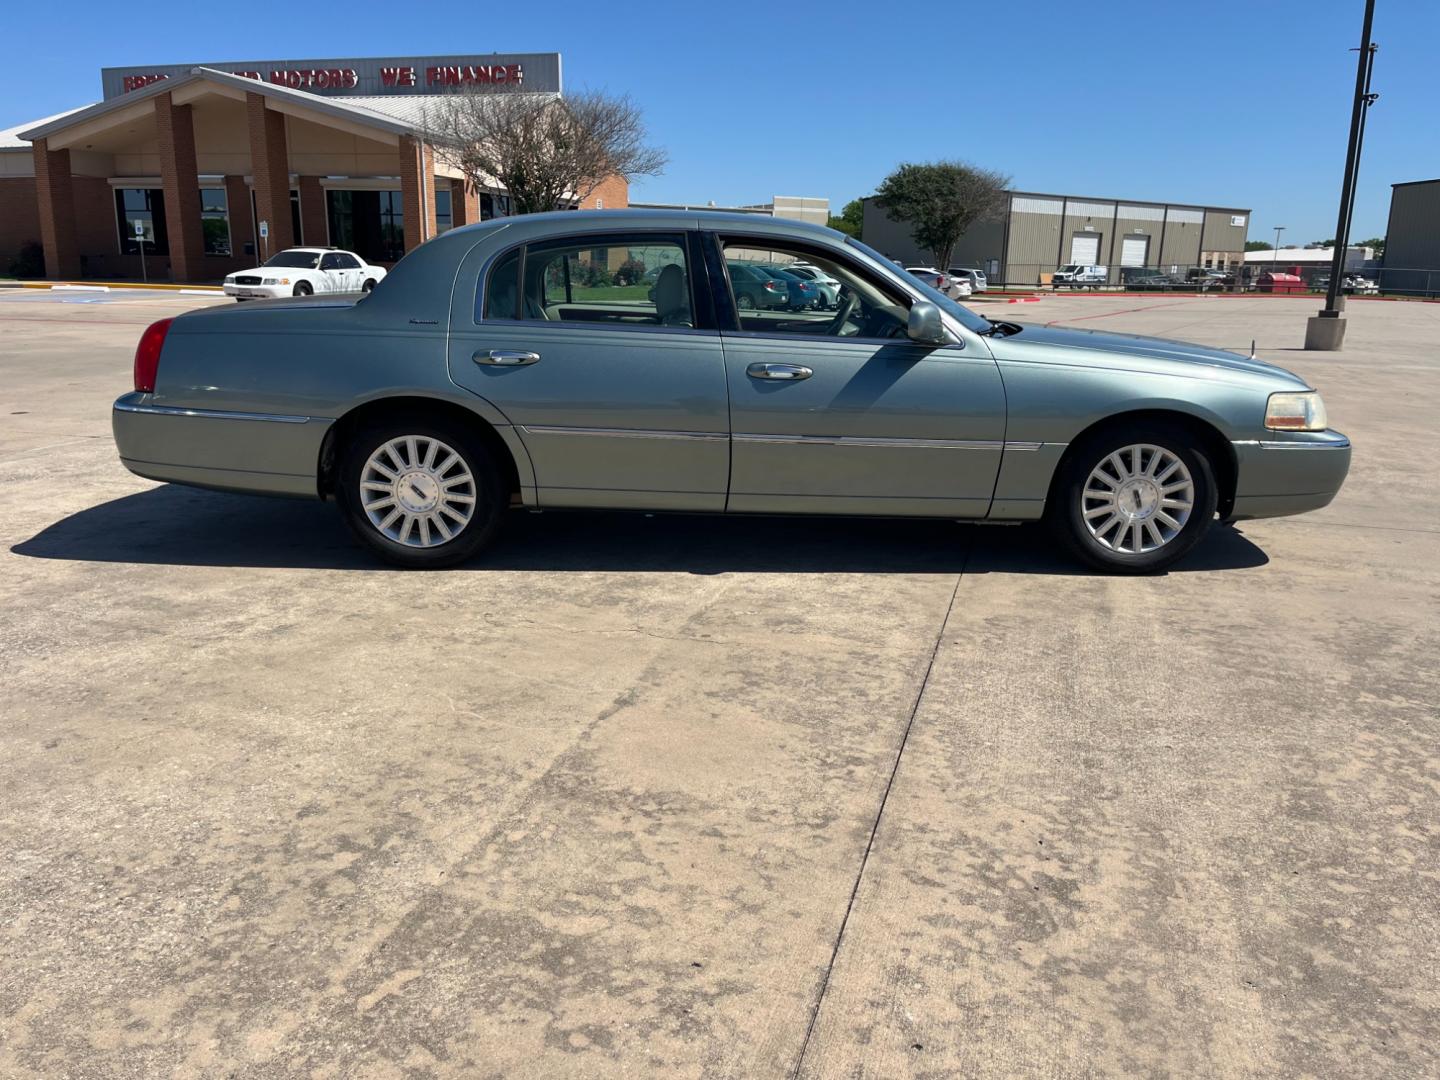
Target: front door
[
  {"x": 591, "y": 347},
  {"x": 840, "y": 412}
]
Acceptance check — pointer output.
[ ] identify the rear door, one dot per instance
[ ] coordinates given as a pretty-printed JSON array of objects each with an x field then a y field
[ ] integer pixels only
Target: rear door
[
  {"x": 842, "y": 413},
  {"x": 614, "y": 382}
]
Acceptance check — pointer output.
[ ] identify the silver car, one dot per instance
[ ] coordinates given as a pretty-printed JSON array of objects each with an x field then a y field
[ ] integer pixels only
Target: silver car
[{"x": 500, "y": 365}]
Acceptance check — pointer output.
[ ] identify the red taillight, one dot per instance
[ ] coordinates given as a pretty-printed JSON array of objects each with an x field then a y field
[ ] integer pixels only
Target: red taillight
[{"x": 147, "y": 355}]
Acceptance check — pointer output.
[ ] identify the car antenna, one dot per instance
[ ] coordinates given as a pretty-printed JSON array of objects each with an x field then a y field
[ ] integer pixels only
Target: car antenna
[{"x": 1252, "y": 348}]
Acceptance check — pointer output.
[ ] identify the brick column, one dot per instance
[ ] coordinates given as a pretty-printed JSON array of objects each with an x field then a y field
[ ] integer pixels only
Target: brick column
[
  {"x": 181, "y": 181},
  {"x": 57, "y": 212},
  {"x": 612, "y": 194},
  {"x": 313, "y": 219},
  {"x": 270, "y": 164},
  {"x": 242, "y": 225},
  {"x": 464, "y": 203},
  {"x": 417, "y": 190}
]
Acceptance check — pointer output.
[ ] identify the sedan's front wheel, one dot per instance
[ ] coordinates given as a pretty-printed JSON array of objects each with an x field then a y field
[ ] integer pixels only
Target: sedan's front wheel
[
  {"x": 422, "y": 493},
  {"x": 1134, "y": 500}
]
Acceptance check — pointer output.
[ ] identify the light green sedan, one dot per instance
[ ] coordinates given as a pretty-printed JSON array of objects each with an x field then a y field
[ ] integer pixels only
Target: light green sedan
[{"x": 601, "y": 360}]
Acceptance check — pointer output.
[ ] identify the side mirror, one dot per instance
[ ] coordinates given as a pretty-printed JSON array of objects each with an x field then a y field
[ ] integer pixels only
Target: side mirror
[{"x": 925, "y": 325}]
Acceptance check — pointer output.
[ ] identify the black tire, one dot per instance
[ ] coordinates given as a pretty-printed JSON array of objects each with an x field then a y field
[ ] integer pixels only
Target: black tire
[
  {"x": 487, "y": 490},
  {"x": 369, "y": 285},
  {"x": 1068, "y": 502},
  {"x": 302, "y": 288}
]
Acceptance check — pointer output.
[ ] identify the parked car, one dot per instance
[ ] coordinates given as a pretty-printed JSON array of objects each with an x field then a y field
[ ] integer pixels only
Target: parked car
[
  {"x": 474, "y": 381},
  {"x": 1144, "y": 278},
  {"x": 1080, "y": 275},
  {"x": 975, "y": 278},
  {"x": 952, "y": 287},
  {"x": 303, "y": 271},
  {"x": 1350, "y": 283},
  {"x": 803, "y": 294},
  {"x": 755, "y": 287},
  {"x": 1207, "y": 278},
  {"x": 827, "y": 286}
]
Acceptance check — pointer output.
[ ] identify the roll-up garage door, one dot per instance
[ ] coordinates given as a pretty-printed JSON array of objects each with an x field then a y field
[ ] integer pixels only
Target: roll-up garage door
[
  {"x": 1085, "y": 249},
  {"x": 1134, "y": 250}
]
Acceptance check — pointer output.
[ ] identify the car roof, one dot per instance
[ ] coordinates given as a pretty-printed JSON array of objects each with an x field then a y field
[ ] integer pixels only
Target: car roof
[{"x": 560, "y": 222}]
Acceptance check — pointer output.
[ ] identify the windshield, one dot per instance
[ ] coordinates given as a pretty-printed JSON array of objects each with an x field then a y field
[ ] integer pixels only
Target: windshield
[
  {"x": 300, "y": 260},
  {"x": 964, "y": 315}
]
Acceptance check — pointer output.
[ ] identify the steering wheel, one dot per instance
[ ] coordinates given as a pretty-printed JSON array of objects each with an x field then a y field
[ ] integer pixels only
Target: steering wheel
[{"x": 837, "y": 324}]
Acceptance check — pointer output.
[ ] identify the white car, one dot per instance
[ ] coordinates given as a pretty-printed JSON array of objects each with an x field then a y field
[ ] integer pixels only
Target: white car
[
  {"x": 828, "y": 287},
  {"x": 304, "y": 271},
  {"x": 977, "y": 279},
  {"x": 954, "y": 288}
]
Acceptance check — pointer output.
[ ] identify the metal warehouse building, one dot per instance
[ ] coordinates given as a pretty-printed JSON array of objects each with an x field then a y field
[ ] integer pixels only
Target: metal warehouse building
[
  {"x": 1038, "y": 233},
  {"x": 1412, "y": 239}
]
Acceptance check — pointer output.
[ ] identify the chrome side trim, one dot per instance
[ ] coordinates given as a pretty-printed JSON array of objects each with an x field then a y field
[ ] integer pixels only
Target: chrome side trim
[
  {"x": 211, "y": 414},
  {"x": 858, "y": 440},
  {"x": 1265, "y": 444},
  {"x": 625, "y": 433},
  {"x": 1025, "y": 445}
]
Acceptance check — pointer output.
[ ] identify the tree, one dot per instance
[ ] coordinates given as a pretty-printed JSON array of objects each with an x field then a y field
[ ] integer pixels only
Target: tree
[
  {"x": 547, "y": 152},
  {"x": 940, "y": 200},
  {"x": 1259, "y": 245},
  {"x": 851, "y": 219}
]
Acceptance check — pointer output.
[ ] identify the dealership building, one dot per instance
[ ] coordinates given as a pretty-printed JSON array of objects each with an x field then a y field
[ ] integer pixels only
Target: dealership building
[
  {"x": 1037, "y": 233},
  {"x": 204, "y": 169}
]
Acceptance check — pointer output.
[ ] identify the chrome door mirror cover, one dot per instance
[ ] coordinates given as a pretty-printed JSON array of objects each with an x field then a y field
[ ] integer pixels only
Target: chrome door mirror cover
[{"x": 925, "y": 325}]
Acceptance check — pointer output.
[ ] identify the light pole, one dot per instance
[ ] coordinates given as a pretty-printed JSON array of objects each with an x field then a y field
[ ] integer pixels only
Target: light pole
[
  {"x": 1326, "y": 331},
  {"x": 1275, "y": 251}
]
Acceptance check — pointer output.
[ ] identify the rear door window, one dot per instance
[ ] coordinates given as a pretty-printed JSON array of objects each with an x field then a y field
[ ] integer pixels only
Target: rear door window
[{"x": 618, "y": 281}]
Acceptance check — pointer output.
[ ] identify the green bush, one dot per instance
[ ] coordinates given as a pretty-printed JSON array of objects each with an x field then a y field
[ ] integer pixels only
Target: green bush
[
  {"x": 631, "y": 272},
  {"x": 30, "y": 262}
]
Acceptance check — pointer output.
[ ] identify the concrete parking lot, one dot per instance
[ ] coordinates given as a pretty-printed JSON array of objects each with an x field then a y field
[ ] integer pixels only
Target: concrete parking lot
[{"x": 679, "y": 797}]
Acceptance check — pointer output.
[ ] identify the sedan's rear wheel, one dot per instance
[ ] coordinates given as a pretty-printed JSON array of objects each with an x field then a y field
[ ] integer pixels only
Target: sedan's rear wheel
[
  {"x": 368, "y": 286},
  {"x": 420, "y": 492},
  {"x": 744, "y": 302},
  {"x": 1134, "y": 500}
]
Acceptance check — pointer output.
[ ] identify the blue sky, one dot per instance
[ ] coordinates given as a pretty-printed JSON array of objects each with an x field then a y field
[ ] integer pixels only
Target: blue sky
[{"x": 1227, "y": 102}]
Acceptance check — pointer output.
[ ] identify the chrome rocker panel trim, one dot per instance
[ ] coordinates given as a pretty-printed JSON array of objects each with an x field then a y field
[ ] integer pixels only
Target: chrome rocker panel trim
[{"x": 210, "y": 414}]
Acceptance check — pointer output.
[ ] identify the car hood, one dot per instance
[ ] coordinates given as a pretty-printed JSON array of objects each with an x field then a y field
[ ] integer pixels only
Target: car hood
[
  {"x": 280, "y": 271},
  {"x": 1123, "y": 350}
]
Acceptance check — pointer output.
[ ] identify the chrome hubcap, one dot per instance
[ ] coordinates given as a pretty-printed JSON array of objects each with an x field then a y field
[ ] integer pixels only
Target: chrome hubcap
[
  {"x": 417, "y": 491},
  {"x": 1138, "y": 499}
]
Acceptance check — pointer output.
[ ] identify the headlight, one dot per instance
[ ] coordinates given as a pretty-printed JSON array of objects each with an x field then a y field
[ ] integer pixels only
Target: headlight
[
  {"x": 269, "y": 281},
  {"x": 1296, "y": 412},
  {"x": 230, "y": 279}
]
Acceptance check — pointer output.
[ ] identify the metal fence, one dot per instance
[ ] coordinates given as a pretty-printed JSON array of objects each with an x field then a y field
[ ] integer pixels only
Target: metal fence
[{"x": 1248, "y": 277}]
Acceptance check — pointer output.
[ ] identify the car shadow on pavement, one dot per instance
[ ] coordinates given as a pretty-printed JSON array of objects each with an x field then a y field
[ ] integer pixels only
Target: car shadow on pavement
[{"x": 178, "y": 526}]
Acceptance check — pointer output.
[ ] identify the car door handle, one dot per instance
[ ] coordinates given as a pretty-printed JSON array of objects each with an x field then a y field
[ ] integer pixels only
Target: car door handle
[
  {"x": 784, "y": 372},
  {"x": 505, "y": 358}
]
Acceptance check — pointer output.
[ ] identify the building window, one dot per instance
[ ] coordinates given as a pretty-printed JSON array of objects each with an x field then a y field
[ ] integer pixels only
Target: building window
[
  {"x": 215, "y": 221},
  {"x": 444, "y": 217},
  {"x": 493, "y": 206},
  {"x": 295, "y": 228},
  {"x": 369, "y": 223},
  {"x": 145, "y": 205}
]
